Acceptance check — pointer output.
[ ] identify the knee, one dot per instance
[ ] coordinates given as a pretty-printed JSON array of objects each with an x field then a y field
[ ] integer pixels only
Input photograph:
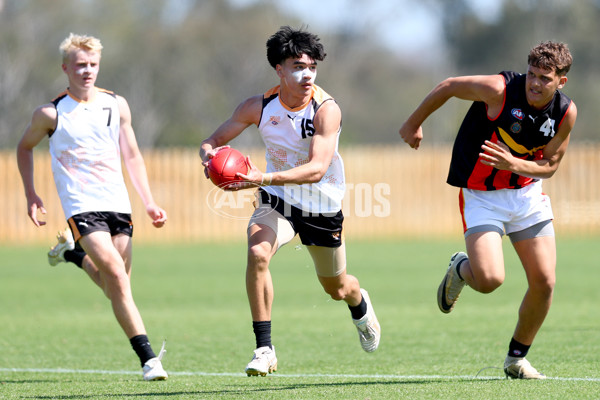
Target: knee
[
  {"x": 489, "y": 283},
  {"x": 116, "y": 279},
  {"x": 544, "y": 286},
  {"x": 336, "y": 290},
  {"x": 116, "y": 285},
  {"x": 336, "y": 294},
  {"x": 259, "y": 256}
]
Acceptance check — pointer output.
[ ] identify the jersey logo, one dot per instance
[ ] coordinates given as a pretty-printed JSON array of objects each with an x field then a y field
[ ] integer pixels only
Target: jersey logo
[
  {"x": 516, "y": 127},
  {"x": 516, "y": 147},
  {"x": 274, "y": 120},
  {"x": 517, "y": 113}
]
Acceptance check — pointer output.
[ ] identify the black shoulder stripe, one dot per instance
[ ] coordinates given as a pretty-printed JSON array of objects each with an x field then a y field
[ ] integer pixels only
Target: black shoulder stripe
[
  {"x": 58, "y": 99},
  {"x": 265, "y": 101}
]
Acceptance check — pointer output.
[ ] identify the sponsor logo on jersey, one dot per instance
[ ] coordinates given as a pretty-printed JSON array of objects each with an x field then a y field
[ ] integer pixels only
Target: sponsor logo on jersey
[
  {"x": 516, "y": 127},
  {"x": 517, "y": 113},
  {"x": 274, "y": 120}
]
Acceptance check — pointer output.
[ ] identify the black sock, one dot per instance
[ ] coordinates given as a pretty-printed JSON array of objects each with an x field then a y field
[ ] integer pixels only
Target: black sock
[
  {"x": 262, "y": 332},
  {"x": 142, "y": 348},
  {"x": 516, "y": 349},
  {"x": 75, "y": 256},
  {"x": 360, "y": 310}
]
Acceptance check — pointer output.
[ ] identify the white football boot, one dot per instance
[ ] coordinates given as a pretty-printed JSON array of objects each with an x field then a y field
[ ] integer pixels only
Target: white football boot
[
  {"x": 263, "y": 362},
  {"x": 369, "y": 330},
  {"x": 65, "y": 242},
  {"x": 520, "y": 368},
  {"x": 153, "y": 369}
]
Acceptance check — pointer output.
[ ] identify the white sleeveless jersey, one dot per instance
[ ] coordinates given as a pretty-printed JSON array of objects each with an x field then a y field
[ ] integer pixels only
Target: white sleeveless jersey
[
  {"x": 287, "y": 134},
  {"x": 86, "y": 157}
]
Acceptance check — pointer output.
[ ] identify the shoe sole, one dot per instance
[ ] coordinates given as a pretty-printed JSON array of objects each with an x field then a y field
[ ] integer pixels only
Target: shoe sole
[
  {"x": 254, "y": 372},
  {"x": 158, "y": 378},
  {"x": 512, "y": 375},
  {"x": 441, "y": 296},
  {"x": 444, "y": 307}
]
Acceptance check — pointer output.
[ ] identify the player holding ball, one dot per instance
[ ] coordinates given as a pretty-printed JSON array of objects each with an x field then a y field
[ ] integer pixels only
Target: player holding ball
[{"x": 302, "y": 190}]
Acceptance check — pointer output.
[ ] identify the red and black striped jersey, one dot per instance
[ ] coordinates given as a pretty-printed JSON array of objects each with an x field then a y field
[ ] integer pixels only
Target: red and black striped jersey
[{"x": 524, "y": 129}]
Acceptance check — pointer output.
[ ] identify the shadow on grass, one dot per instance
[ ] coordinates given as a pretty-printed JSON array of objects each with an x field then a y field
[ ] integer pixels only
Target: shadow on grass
[{"x": 241, "y": 391}]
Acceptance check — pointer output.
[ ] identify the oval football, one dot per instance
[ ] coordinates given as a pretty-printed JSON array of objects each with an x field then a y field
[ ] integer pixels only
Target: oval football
[{"x": 224, "y": 166}]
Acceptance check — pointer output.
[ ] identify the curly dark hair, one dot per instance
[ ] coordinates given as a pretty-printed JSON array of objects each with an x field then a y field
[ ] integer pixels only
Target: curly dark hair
[
  {"x": 289, "y": 42},
  {"x": 551, "y": 56}
]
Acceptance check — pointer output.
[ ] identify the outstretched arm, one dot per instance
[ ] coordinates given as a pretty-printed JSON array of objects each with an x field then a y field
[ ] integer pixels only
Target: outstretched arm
[{"x": 486, "y": 88}]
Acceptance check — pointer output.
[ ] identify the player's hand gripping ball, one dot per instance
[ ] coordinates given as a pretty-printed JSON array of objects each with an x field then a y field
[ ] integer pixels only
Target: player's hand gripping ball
[{"x": 224, "y": 166}]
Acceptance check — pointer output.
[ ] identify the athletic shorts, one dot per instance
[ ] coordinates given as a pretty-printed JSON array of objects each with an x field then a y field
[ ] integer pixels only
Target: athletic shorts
[
  {"x": 321, "y": 234},
  {"x": 505, "y": 210},
  {"x": 100, "y": 221},
  {"x": 314, "y": 229}
]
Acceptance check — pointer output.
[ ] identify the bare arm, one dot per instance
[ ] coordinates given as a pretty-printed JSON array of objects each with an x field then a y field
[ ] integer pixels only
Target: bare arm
[
  {"x": 42, "y": 123},
  {"x": 246, "y": 114},
  {"x": 134, "y": 162},
  {"x": 498, "y": 155},
  {"x": 486, "y": 88}
]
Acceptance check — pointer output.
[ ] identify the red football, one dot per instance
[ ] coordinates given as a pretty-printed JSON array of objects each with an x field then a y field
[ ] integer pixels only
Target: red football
[{"x": 225, "y": 164}]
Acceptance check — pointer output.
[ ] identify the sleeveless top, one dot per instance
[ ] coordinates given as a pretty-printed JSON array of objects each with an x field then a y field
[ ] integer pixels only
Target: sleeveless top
[
  {"x": 86, "y": 157},
  {"x": 524, "y": 129},
  {"x": 287, "y": 134}
]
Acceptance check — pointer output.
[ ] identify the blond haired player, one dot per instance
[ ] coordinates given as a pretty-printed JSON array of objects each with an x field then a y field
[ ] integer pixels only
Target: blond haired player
[{"x": 89, "y": 130}]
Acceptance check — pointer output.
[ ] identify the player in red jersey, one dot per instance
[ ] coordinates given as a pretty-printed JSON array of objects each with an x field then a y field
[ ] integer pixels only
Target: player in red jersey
[{"x": 513, "y": 136}]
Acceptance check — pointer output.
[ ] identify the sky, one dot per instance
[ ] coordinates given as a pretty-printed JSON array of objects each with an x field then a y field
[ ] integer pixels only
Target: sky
[{"x": 403, "y": 26}]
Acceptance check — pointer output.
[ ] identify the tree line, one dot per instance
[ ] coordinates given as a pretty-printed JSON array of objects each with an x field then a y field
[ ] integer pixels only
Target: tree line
[{"x": 184, "y": 74}]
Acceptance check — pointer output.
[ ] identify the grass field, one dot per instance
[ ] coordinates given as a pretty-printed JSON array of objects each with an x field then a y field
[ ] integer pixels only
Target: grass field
[{"x": 59, "y": 339}]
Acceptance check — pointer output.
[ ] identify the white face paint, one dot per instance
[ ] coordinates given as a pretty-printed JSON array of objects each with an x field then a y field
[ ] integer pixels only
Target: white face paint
[
  {"x": 86, "y": 69},
  {"x": 301, "y": 75}
]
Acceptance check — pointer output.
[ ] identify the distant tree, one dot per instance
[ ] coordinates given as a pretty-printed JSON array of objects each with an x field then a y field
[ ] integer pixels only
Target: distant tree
[
  {"x": 185, "y": 65},
  {"x": 479, "y": 47}
]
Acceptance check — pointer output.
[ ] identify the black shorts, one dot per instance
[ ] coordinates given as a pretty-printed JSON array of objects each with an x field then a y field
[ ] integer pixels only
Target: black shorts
[
  {"x": 103, "y": 221},
  {"x": 314, "y": 229}
]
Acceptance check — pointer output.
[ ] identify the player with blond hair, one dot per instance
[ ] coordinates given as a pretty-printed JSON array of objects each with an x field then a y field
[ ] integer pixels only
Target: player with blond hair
[{"x": 89, "y": 131}]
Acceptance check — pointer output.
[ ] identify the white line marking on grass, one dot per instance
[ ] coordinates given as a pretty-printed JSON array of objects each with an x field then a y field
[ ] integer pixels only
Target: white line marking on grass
[{"x": 236, "y": 374}]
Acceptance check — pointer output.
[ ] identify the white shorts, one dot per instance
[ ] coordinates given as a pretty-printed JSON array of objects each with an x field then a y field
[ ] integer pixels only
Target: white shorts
[{"x": 509, "y": 210}]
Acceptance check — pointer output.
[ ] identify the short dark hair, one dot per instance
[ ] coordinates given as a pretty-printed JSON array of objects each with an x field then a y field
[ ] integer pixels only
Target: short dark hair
[
  {"x": 551, "y": 56},
  {"x": 292, "y": 43}
]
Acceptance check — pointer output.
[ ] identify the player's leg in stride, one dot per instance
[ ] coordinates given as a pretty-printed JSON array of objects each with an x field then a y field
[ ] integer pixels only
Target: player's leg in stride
[
  {"x": 452, "y": 284},
  {"x": 330, "y": 264}
]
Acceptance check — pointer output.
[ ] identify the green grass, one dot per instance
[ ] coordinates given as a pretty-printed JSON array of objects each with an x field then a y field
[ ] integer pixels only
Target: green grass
[{"x": 57, "y": 328}]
